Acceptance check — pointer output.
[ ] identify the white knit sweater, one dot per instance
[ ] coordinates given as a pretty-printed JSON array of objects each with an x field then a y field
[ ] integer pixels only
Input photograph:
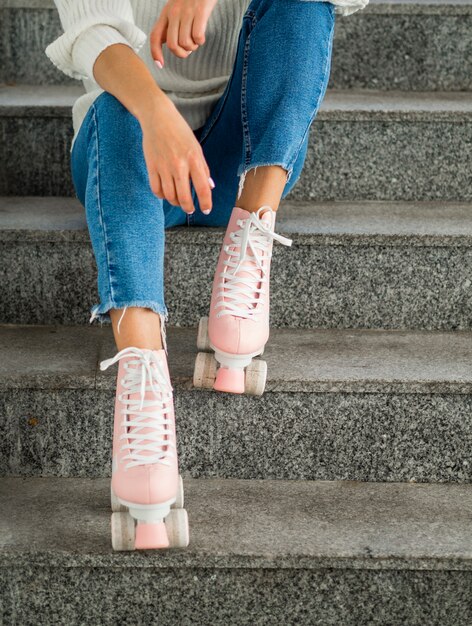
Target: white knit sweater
[{"x": 194, "y": 84}]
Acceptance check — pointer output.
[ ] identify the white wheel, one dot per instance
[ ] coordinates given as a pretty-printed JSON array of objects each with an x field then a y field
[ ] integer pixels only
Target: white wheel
[
  {"x": 177, "y": 528},
  {"x": 116, "y": 505},
  {"x": 122, "y": 532},
  {"x": 256, "y": 375},
  {"x": 262, "y": 351},
  {"x": 203, "y": 341},
  {"x": 179, "y": 501},
  {"x": 204, "y": 373}
]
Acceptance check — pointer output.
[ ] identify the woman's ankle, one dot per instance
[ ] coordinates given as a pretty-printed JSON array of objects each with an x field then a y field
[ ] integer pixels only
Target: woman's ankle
[{"x": 139, "y": 327}]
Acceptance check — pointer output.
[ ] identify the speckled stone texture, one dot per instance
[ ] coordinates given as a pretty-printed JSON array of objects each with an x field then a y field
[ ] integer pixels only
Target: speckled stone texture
[
  {"x": 35, "y": 154},
  {"x": 253, "y": 597},
  {"x": 351, "y": 265},
  {"x": 25, "y": 32},
  {"x": 359, "y": 405},
  {"x": 298, "y": 552},
  {"x": 363, "y": 145},
  {"x": 414, "y": 46},
  {"x": 326, "y": 436},
  {"x": 388, "y": 45}
]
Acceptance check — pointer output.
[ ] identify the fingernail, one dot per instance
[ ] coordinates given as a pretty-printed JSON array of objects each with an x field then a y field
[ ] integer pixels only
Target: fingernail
[
  {"x": 159, "y": 64},
  {"x": 206, "y": 212},
  {"x": 212, "y": 182}
]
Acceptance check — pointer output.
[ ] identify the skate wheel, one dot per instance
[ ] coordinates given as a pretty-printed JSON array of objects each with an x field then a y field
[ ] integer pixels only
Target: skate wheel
[
  {"x": 204, "y": 373},
  {"x": 262, "y": 351},
  {"x": 177, "y": 528},
  {"x": 256, "y": 375},
  {"x": 203, "y": 341},
  {"x": 116, "y": 505},
  {"x": 122, "y": 532},
  {"x": 179, "y": 500}
]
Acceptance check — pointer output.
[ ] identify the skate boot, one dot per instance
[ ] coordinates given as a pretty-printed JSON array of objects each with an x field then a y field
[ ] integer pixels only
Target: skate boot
[
  {"x": 146, "y": 489},
  {"x": 237, "y": 328}
]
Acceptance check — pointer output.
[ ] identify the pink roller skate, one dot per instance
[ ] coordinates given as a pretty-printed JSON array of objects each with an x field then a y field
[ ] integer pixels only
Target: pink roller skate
[
  {"x": 146, "y": 489},
  {"x": 238, "y": 326}
]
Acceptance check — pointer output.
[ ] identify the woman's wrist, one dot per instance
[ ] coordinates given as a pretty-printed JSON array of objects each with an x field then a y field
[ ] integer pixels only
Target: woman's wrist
[{"x": 154, "y": 107}]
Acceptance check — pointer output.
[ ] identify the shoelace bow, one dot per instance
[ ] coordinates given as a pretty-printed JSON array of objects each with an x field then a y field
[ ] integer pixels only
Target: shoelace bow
[
  {"x": 237, "y": 291},
  {"x": 145, "y": 373}
]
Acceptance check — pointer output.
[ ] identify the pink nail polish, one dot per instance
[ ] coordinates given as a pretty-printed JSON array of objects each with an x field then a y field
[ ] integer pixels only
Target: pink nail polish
[
  {"x": 206, "y": 212},
  {"x": 159, "y": 64},
  {"x": 212, "y": 182}
]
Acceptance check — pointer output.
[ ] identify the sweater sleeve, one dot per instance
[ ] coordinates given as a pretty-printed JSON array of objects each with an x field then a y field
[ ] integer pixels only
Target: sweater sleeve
[{"x": 89, "y": 27}]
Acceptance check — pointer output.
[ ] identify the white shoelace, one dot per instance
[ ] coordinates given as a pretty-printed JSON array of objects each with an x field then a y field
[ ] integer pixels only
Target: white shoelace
[
  {"x": 145, "y": 373},
  {"x": 239, "y": 295}
]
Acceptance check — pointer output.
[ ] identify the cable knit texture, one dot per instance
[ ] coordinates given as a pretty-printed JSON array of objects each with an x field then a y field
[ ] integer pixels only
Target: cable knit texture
[{"x": 193, "y": 84}]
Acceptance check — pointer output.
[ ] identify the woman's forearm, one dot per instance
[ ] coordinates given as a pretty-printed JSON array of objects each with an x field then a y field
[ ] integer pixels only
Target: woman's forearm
[
  {"x": 172, "y": 153},
  {"x": 121, "y": 72}
]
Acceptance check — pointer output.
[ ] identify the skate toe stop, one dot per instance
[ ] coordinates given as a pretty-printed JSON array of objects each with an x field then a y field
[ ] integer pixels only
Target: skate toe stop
[
  {"x": 230, "y": 380},
  {"x": 149, "y": 536}
]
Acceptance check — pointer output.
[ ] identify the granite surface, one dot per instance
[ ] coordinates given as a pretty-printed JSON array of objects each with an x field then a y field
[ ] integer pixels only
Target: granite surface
[
  {"x": 442, "y": 224},
  {"x": 297, "y": 552},
  {"x": 249, "y": 524},
  {"x": 351, "y": 361},
  {"x": 351, "y": 265},
  {"x": 417, "y": 45},
  {"x": 240, "y": 597},
  {"x": 325, "y": 436},
  {"x": 409, "y": 46},
  {"x": 375, "y": 145},
  {"x": 46, "y": 169},
  {"x": 379, "y": 406}
]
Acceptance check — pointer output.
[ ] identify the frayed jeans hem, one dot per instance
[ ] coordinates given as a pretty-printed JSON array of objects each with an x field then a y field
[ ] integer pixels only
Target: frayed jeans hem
[{"x": 243, "y": 169}]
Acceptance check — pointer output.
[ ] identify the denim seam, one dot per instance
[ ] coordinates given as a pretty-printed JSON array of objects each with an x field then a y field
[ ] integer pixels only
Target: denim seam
[
  {"x": 100, "y": 208},
  {"x": 244, "y": 115},
  {"x": 324, "y": 81}
]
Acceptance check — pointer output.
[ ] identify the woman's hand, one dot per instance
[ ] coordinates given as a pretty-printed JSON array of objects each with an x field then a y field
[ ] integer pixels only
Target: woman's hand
[
  {"x": 174, "y": 157},
  {"x": 181, "y": 25}
]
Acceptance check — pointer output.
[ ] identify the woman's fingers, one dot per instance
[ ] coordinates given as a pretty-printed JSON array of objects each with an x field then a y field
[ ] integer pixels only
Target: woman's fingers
[
  {"x": 168, "y": 186},
  {"x": 199, "y": 27},
  {"x": 158, "y": 37},
  {"x": 156, "y": 185},
  {"x": 172, "y": 42},
  {"x": 182, "y": 185},
  {"x": 185, "y": 33},
  {"x": 201, "y": 185}
]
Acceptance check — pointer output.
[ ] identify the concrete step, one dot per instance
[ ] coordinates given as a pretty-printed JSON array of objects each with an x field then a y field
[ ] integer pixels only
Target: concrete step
[
  {"x": 357, "y": 405},
  {"x": 364, "y": 145},
  {"x": 418, "y": 45},
  {"x": 351, "y": 265},
  {"x": 261, "y": 552}
]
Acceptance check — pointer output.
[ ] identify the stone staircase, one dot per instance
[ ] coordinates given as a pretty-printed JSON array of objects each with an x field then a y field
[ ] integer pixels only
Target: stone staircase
[{"x": 343, "y": 495}]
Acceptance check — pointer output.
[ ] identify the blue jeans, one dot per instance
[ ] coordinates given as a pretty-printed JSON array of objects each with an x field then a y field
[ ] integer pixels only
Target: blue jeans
[{"x": 279, "y": 78}]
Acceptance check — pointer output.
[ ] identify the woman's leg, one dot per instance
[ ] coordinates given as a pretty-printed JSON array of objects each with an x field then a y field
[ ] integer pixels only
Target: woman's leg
[
  {"x": 258, "y": 132},
  {"x": 256, "y": 138},
  {"x": 126, "y": 222}
]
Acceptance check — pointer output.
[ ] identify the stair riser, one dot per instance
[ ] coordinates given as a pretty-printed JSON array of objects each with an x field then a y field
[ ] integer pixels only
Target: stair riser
[
  {"x": 107, "y": 596},
  {"x": 328, "y": 436},
  {"x": 389, "y": 157},
  {"x": 327, "y": 286},
  {"x": 374, "y": 50}
]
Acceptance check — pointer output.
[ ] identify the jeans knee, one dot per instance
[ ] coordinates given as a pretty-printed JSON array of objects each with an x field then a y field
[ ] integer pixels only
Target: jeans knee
[{"x": 113, "y": 117}]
